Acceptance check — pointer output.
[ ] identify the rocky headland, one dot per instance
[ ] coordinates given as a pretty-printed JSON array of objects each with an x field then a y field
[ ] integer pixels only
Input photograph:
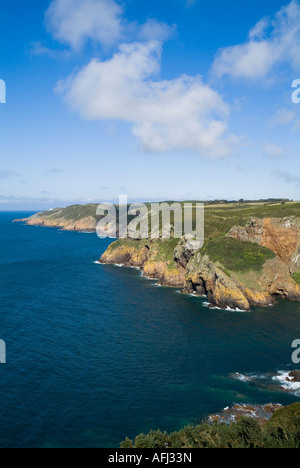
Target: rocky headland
[
  {"x": 251, "y": 255},
  {"x": 257, "y": 263},
  {"x": 73, "y": 218}
]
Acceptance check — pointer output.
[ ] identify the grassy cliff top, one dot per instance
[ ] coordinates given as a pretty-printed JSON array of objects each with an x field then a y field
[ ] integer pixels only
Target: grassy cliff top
[
  {"x": 235, "y": 256},
  {"x": 220, "y": 217},
  {"x": 73, "y": 212}
]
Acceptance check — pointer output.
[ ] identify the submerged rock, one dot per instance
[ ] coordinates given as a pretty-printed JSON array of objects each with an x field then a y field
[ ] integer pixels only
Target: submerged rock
[
  {"x": 294, "y": 376},
  {"x": 284, "y": 381},
  {"x": 261, "y": 413}
]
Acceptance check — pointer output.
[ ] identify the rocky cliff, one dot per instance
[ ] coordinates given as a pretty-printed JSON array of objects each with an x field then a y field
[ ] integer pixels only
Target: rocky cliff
[
  {"x": 73, "y": 218},
  {"x": 251, "y": 254},
  {"x": 151, "y": 257},
  {"x": 235, "y": 286},
  {"x": 282, "y": 236}
]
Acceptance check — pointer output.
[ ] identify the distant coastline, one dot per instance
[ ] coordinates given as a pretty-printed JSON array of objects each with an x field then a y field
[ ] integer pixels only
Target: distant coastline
[{"x": 251, "y": 254}]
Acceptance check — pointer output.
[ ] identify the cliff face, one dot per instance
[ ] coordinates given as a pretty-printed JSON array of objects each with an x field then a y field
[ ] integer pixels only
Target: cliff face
[
  {"x": 224, "y": 290},
  {"x": 203, "y": 277},
  {"x": 127, "y": 254},
  {"x": 240, "y": 266},
  {"x": 277, "y": 280},
  {"x": 146, "y": 257},
  {"x": 59, "y": 219},
  {"x": 197, "y": 274},
  {"x": 282, "y": 236}
]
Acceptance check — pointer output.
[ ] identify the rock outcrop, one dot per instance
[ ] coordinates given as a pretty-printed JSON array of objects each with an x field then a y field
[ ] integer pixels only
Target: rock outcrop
[
  {"x": 261, "y": 413},
  {"x": 281, "y": 235},
  {"x": 197, "y": 274},
  {"x": 204, "y": 277},
  {"x": 204, "y": 272},
  {"x": 144, "y": 256},
  {"x": 133, "y": 255},
  {"x": 278, "y": 282}
]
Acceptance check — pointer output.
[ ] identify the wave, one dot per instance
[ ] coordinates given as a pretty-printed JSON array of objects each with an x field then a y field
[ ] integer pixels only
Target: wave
[
  {"x": 228, "y": 309},
  {"x": 233, "y": 414},
  {"x": 280, "y": 381},
  {"x": 248, "y": 377},
  {"x": 287, "y": 382},
  {"x": 199, "y": 296}
]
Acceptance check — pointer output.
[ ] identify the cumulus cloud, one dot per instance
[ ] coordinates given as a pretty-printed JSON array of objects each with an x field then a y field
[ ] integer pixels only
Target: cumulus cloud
[
  {"x": 76, "y": 21},
  {"x": 271, "y": 43},
  {"x": 155, "y": 30},
  {"x": 183, "y": 113}
]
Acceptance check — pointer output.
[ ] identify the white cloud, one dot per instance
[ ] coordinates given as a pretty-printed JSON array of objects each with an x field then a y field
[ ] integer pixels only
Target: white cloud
[
  {"x": 76, "y": 21},
  {"x": 183, "y": 113},
  {"x": 273, "y": 151},
  {"x": 271, "y": 43},
  {"x": 259, "y": 30},
  {"x": 155, "y": 30},
  {"x": 282, "y": 117}
]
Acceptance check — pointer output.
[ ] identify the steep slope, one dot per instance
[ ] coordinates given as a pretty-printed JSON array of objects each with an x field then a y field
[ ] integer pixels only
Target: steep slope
[
  {"x": 250, "y": 265},
  {"x": 251, "y": 254},
  {"x": 72, "y": 218}
]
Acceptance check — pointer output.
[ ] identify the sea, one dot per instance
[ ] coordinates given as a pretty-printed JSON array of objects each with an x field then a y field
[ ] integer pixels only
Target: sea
[{"x": 97, "y": 353}]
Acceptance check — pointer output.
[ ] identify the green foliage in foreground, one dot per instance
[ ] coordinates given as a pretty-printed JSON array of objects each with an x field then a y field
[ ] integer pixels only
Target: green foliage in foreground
[
  {"x": 237, "y": 255},
  {"x": 282, "y": 431},
  {"x": 296, "y": 277}
]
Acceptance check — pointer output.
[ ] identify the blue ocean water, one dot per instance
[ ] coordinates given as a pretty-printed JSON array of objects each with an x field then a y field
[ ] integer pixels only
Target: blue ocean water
[{"x": 97, "y": 353}]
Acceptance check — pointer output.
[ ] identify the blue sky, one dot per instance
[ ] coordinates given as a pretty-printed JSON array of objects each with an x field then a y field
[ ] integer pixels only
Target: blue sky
[{"x": 177, "y": 99}]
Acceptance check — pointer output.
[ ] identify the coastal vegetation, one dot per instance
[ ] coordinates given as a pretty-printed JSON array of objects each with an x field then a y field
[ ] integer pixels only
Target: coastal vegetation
[
  {"x": 296, "y": 277},
  {"x": 237, "y": 255},
  {"x": 281, "y": 431},
  {"x": 250, "y": 256}
]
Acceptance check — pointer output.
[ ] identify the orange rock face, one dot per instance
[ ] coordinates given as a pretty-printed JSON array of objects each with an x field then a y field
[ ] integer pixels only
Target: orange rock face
[
  {"x": 282, "y": 240},
  {"x": 281, "y": 235}
]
